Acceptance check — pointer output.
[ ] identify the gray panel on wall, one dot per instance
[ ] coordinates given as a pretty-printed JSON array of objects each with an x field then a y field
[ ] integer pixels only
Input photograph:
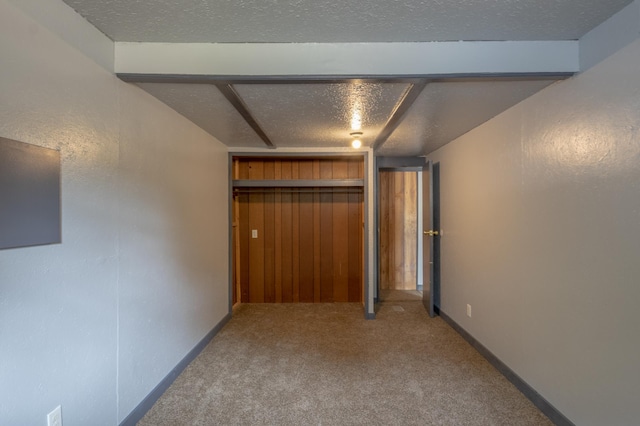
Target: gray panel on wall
[{"x": 29, "y": 195}]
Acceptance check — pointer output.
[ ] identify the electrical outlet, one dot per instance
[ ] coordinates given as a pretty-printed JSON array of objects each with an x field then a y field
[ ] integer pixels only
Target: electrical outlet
[
  {"x": 469, "y": 310},
  {"x": 54, "y": 418},
  {"x": 254, "y": 233}
]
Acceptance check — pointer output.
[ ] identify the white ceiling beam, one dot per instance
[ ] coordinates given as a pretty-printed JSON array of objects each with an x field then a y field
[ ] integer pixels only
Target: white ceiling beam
[{"x": 348, "y": 59}]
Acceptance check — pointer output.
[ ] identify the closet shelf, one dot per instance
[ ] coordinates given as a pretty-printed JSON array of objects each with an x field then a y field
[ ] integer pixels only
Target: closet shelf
[{"x": 297, "y": 183}]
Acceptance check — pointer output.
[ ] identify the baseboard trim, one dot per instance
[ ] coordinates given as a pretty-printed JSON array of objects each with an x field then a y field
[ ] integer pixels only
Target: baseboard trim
[
  {"x": 538, "y": 400},
  {"x": 138, "y": 413},
  {"x": 369, "y": 315}
]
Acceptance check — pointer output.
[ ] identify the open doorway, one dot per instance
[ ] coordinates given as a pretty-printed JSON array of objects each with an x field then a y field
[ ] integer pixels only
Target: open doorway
[{"x": 399, "y": 224}]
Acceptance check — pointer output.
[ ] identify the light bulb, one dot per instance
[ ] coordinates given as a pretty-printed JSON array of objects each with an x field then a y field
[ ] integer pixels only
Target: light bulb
[{"x": 356, "y": 143}]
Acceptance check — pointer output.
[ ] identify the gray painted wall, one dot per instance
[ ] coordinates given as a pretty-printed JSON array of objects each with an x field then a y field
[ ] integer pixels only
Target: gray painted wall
[
  {"x": 141, "y": 275},
  {"x": 541, "y": 215}
]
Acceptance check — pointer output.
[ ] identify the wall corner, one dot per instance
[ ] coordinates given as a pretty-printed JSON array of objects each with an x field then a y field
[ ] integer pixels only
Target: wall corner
[{"x": 612, "y": 35}]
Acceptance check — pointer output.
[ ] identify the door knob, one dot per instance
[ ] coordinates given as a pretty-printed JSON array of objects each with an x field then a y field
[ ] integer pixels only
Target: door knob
[{"x": 431, "y": 233}]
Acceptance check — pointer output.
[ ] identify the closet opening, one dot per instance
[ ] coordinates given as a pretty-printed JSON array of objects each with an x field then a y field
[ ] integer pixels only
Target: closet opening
[{"x": 298, "y": 233}]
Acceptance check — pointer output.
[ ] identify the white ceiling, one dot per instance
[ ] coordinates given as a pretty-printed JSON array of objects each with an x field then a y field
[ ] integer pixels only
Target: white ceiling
[
  {"x": 207, "y": 107},
  {"x": 297, "y": 113},
  {"x": 319, "y": 115},
  {"x": 317, "y": 21},
  {"x": 445, "y": 111}
]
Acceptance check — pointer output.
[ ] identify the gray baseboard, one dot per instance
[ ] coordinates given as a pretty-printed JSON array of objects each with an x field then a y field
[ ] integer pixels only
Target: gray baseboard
[
  {"x": 538, "y": 400},
  {"x": 138, "y": 413}
]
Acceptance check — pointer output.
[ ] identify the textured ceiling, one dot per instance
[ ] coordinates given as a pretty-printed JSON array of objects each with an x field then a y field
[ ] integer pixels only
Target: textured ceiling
[
  {"x": 320, "y": 114},
  {"x": 299, "y": 21},
  {"x": 323, "y": 115},
  {"x": 445, "y": 111},
  {"x": 204, "y": 105}
]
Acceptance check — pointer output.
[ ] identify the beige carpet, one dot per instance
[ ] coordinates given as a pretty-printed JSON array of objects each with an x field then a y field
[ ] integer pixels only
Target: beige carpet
[
  {"x": 399, "y": 295},
  {"x": 323, "y": 364}
]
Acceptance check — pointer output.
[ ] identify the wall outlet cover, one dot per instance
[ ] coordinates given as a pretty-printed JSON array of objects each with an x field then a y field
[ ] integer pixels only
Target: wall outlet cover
[{"x": 54, "y": 418}]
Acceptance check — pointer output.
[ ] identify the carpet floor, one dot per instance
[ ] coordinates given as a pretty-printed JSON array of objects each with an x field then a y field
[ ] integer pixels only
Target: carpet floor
[{"x": 324, "y": 364}]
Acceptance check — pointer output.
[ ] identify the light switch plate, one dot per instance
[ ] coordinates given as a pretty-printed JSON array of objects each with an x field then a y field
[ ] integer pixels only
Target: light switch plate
[
  {"x": 54, "y": 418},
  {"x": 254, "y": 233}
]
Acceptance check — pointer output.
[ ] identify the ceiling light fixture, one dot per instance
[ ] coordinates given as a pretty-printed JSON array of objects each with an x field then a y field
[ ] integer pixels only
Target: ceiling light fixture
[{"x": 356, "y": 139}]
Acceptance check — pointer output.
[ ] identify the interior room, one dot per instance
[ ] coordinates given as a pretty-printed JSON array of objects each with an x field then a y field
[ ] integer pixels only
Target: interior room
[{"x": 203, "y": 159}]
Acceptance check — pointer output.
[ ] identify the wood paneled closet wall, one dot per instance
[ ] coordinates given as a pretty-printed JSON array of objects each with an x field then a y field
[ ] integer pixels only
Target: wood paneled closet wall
[{"x": 298, "y": 244}]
